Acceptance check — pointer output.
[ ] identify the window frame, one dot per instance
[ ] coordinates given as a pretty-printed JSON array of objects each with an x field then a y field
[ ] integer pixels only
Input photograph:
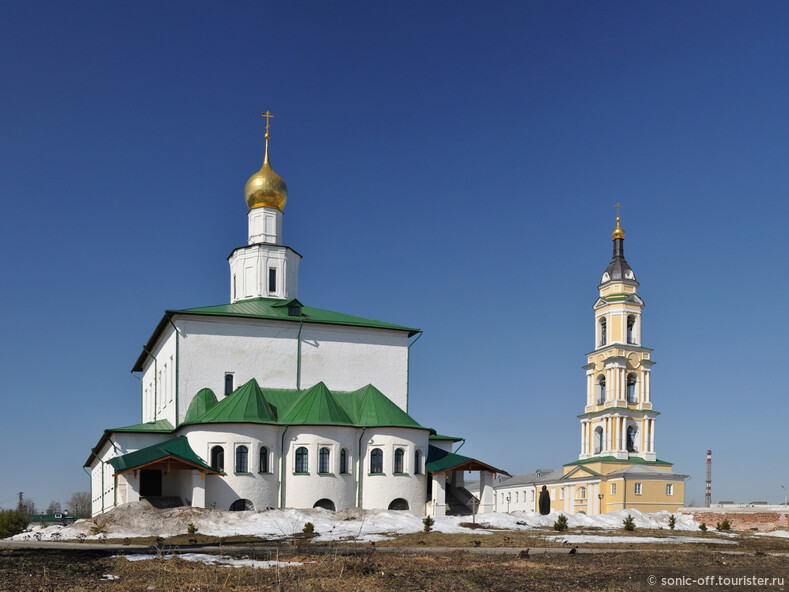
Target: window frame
[
  {"x": 242, "y": 453},
  {"x": 324, "y": 461},
  {"x": 301, "y": 460},
  {"x": 263, "y": 463},
  {"x": 637, "y": 489},
  {"x": 376, "y": 461},
  {"x": 344, "y": 464},
  {"x": 417, "y": 462},
  {"x": 213, "y": 447},
  {"x": 613, "y": 489},
  {"x": 399, "y": 457},
  {"x": 669, "y": 489},
  {"x": 230, "y": 379}
]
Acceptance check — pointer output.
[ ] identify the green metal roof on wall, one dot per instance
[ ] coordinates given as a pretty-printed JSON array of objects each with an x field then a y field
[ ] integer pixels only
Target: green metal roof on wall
[
  {"x": 176, "y": 449},
  {"x": 446, "y": 438},
  {"x": 441, "y": 461},
  {"x": 246, "y": 404},
  {"x": 203, "y": 402},
  {"x": 160, "y": 425},
  {"x": 366, "y": 407},
  {"x": 377, "y": 410},
  {"x": 632, "y": 460},
  {"x": 317, "y": 406}
]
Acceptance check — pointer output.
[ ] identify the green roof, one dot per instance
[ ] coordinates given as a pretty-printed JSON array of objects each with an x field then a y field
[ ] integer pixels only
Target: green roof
[
  {"x": 161, "y": 425},
  {"x": 177, "y": 449},
  {"x": 366, "y": 407},
  {"x": 317, "y": 406},
  {"x": 440, "y": 461},
  {"x": 612, "y": 459},
  {"x": 269, "y": 308},
  {"x": 448, "y": 438},
  {"x": 245, "y": 405},
  {"x": 203, "y": 402}
]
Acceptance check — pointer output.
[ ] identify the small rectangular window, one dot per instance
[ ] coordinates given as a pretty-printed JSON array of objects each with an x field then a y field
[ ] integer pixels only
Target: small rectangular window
[
  {"x": 272, "y": 280},
  {"x": 613, "y": 488},
  {"x": 669, "y": 489},
  {"x": 638, "y": 488},
  {"x": 561, "y": 493},
  {"x": 228, "y": 383}
]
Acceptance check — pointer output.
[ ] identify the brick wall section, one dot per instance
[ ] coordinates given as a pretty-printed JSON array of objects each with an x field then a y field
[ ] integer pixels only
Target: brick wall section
[{"x": 741, "y": 518}]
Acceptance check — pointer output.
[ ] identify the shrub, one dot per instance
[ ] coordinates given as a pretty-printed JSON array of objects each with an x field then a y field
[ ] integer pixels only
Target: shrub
[
  {"x": 428, "y": 522},
  {"x": 672, "y": 521},
  {"x": 629, "y": 523},
  {"x": 309, "y": 528},
  {"x": 723, "y": 525},
  {"x": 703, "y": 526},
  {"x": 191, "y": 528},
  {"x": 12, "y": 522},
  {"x": 561, "y": 523}
]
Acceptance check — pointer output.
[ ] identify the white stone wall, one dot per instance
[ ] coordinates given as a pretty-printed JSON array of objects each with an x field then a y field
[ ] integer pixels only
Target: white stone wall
[
  {"x": 522, "y": 498},
  {"x": 159, "y": 379},
  {"x": 345, "y": 358}
]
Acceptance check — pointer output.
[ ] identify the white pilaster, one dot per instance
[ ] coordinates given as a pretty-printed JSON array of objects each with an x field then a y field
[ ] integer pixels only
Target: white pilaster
[{"x": 198, "y": 489}]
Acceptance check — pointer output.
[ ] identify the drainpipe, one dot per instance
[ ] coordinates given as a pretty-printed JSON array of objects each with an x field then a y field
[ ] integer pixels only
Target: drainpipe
[
  {"x": 624, "y": 499},
  {"x": 282, "y": 471},
  {"x": 408, "y": 370},
  {"x": 298, "y": 355},
  {"x": 177, "y": 335},
  {"x": 359, "y": 471},
  {"x": 155, "y": 379},
  {"x": 142, "y": 401},
  {"x": 461, "y": 445}
]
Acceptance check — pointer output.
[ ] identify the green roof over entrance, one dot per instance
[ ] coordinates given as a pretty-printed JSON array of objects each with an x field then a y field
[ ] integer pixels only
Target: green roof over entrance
[
  {"x": 366, "y": 407},
  {"x": 170, "y": 453},
  {"x": 441, "y": 461}
]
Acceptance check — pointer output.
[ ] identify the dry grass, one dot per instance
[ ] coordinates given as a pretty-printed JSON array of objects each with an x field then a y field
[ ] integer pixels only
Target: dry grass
[{"x": 81, "y": 571}]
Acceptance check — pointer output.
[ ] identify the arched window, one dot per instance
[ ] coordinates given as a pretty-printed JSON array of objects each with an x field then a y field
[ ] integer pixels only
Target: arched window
[
  {"x": 377, "y": 461},
  {"x": 598, "y": 440},
  {"x": 228, "y": 383},
  {"x": 399, "y": 504},
  {"x": 218, "y": 458},
  {"x": 301, "y": 460},
  {"x": 263, "y": 459},
  {"x": 343, "y": 461},
  {"x": 631, "y": 329},
  {"x": 398, "y": 460},
  {"x": 603, "y": 331},
  {"x": 516, "y": 497},
  {"x": 601, "y": 389},
  {"x": 632, "y": 432},
  {"x": 631, "y": 389},
  {"x": 325, "y": 503},
  {"x": 582, "y": 493},
  {"x": 242, "y": 505},
  {"x": 323, "y": 460},
  {"x": 417, "y": 462},
  {"x": 242, "y": 454}
]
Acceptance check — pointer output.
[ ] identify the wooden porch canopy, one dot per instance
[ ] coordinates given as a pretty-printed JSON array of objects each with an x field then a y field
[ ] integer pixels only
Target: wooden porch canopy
[{"x": 171, "y": 455}]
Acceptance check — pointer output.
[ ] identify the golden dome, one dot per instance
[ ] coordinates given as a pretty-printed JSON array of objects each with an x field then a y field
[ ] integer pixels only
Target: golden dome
[
  {"x": 618, "y": 232},
  {"x": 266, "y": 188}
]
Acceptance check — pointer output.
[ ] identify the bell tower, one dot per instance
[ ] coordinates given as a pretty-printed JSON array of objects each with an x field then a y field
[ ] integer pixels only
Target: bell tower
[{"x": 618, "y": 420}]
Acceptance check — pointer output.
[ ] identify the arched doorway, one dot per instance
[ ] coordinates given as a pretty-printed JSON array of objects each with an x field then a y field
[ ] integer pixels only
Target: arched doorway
[{"x": 324, "y": 503}]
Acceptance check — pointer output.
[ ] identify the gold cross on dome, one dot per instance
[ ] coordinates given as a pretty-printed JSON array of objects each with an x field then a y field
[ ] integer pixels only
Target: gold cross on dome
[
  {"x": 268, "y": 116},
  {"x": 617, "y": 206}
]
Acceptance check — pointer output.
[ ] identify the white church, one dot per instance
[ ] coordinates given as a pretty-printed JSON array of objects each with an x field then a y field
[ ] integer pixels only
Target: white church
[{"x": 266, "y": 402}]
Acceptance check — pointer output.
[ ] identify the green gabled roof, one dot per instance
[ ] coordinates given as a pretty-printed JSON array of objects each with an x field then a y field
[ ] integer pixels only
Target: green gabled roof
[
  {"x": 376, "y": 410},
  {"x": 317, "y": 406},
  {"x": 272, "y": 308},
  {"x": 245, "y": 405},
  {"x": 161, "y": 425},
  {"x": 440, "y": 461},
  {"x": 632, "y": 460},
  {"x": 177, "y": 449},
  {"x": 203, "y": 401}
]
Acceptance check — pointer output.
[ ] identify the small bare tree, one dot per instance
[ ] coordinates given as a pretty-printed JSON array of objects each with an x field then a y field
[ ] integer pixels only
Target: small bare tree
[{"x": 79, "y": 504}]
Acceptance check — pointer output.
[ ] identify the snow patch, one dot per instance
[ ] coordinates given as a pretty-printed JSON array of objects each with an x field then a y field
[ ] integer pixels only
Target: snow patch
[{"x": 214, "y": 560}]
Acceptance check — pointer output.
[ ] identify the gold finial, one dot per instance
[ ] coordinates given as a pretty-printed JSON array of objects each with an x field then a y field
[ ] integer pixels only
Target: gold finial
[
  {"x": 268, "y": 116},
  {"x": 266, "y": 188},
  {"x": 618, "y": 232}
]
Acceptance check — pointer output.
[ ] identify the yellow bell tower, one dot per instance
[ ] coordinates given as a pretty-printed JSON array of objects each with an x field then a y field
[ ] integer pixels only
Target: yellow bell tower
[{"x": 618, "y": 420}]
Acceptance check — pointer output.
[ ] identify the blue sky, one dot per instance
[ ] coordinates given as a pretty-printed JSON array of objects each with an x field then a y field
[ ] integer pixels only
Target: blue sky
[{"x": 450, "y": 167}]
